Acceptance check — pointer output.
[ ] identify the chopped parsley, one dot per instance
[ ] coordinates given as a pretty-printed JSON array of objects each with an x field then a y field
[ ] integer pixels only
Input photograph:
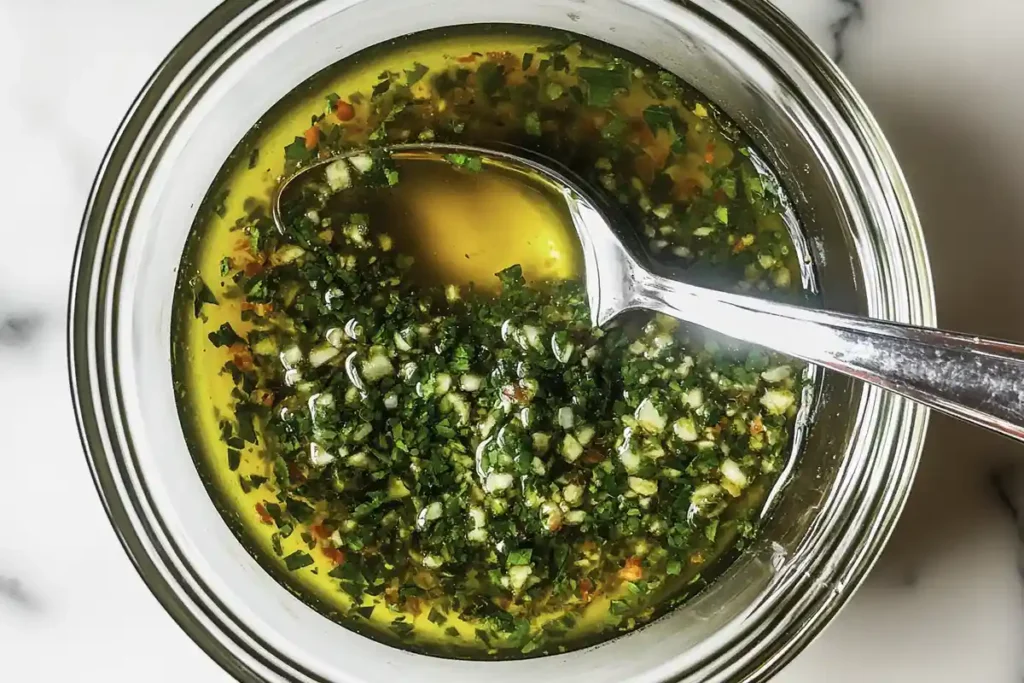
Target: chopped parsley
[
  {"x": 225, "y": 335},
  {"x": 416, "y": 74},
  {"x": 468, "y": 162},
  {"x": 297, "y": 560},
  {"x": 603, "y": 84},
  {"x": 663, "y": 117},
  {"x": 203, "y": 295}
]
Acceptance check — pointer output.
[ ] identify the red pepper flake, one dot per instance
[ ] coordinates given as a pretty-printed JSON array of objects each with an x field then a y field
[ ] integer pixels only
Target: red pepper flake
[
  {"x": 586, "y": 586},
  {"x": 632, "y": 570},
  {"x": 312, "y": 137},
  {"x": 253, "y": 268},
  {"x": 468, "y": 59},
  {"x": 295, "y": 474},
  {"x": 592, "y": 456},
  {"x": 514, "y": 393},
  {"x": 709, "y": 154},
  {"x": 261, "y": 309},
  {"x": 319, "y": 532},
  {"x": 243, "y": 360},
  {"x": 334, "y": 555},
  {"x": 688, "y": 188},
  {"x": 756, "y": 426},
  {"x": 344, "y": 111},
  {"x": 264, "y": 515}
]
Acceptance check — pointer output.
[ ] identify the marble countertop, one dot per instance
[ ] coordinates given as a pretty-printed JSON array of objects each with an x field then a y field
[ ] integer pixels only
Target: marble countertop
[{"x": 944, "y": 602}]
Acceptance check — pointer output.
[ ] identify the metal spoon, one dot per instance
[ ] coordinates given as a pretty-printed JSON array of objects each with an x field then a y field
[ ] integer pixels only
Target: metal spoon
[{"x": 977, "y": 380}]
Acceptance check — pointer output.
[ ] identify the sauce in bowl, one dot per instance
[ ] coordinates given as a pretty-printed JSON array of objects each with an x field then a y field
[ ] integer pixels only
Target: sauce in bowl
[{"x": 399, "y": 402}]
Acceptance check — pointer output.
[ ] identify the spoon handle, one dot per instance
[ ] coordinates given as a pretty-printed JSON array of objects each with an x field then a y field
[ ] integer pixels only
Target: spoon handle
[{"x": 977, "y": 380}]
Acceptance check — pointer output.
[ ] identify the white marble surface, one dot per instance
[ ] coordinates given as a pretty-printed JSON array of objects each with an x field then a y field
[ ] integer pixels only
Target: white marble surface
[{"x": 943, "y": 604}]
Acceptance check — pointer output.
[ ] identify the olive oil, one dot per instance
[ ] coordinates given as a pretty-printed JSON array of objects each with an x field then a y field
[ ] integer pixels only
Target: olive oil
[{"x": 679, "y": 170}]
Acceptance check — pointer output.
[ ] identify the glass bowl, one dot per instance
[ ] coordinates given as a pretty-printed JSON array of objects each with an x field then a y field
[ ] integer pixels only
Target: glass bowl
[{"x": 842, "y": 497}]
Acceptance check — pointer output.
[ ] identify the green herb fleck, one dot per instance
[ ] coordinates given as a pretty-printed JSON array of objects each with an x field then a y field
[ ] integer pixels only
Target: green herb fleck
[
  {"x": 532, "y": 124},
  {"x": 603, "y": 84},
  {"x": 519, "y": 557},
  {"x": 416, "y": 74},
  {"x": 220, "y": 203},
  {"x": 225, "y": 336},
  {"x": 469, "y": 162},
  {"x": 297, "y": 560},
  {"x": 663, "y": 117},
  {"x": 297, "y": 151},
  {"x": 203, "y": 295},
  {"x": 401, "y": 628}
]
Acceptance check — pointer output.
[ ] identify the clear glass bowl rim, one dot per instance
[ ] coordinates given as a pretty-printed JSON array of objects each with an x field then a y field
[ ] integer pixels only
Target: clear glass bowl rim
[{"x": 95, "y": 397}]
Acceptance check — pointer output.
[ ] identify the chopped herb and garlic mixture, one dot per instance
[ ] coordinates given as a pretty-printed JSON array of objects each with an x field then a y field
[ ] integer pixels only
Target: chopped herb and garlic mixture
[{"x": 461, "y": 464}]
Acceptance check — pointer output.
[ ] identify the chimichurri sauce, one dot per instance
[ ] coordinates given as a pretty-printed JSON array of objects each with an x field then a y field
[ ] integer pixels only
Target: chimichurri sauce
[{"x": 399, "y": 400}]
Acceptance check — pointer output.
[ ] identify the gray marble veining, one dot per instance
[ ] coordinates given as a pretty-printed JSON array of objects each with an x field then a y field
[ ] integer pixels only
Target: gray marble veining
[
  {"x": 13, "y": 592},
  {"x": 853, "y": 12},
  {"x": 18, "y": 329}
]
